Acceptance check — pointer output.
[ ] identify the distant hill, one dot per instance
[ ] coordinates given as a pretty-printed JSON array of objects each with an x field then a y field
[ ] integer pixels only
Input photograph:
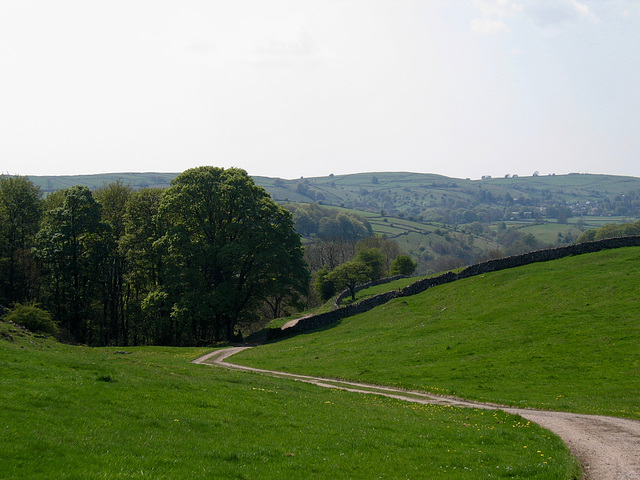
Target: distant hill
[
  {"x": 443, "y": 222},
  {"x": 410, "y": 193},
  {"x": 51, "y": 183}
]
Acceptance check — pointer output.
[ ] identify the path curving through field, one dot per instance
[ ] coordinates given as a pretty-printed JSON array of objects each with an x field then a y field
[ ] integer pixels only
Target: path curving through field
[{"x": 608, "y": 447}]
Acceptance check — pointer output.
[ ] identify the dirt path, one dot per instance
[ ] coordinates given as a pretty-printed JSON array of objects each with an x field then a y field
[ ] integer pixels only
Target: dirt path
[{"x": 607, "y": 447}]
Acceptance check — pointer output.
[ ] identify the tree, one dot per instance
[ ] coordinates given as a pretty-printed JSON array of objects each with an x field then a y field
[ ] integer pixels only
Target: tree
[
  {"x": 350, "y": 275},
  {"x": 71, "y": 251},
  {"x": 329, "y": 253},
  {"x": 228, "y": 247},
  {"x": 374, "y": 259},
  {"x": 388, "y": 246},
  {"x": 146, "y": 311},
  {"x": 20, "y": 213},
  {"x": 113, "y": 199},
  {"x": 344, "y": 227},
  {"x": 323, "y": 286},
  {"x": 403, "y": 265}
]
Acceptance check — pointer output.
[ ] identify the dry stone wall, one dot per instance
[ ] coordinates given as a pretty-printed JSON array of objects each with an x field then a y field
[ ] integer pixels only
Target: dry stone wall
[
  {"x": 345, "y": 293},
  {"x": 324, "y": 319}
]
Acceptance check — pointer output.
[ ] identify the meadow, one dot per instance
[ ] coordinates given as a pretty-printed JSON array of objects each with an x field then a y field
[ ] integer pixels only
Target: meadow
[
  {"x": 75, "y": 412},
  {"x": 559, "y": 335}
]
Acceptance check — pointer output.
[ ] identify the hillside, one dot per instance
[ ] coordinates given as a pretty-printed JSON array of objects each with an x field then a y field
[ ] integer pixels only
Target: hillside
[
  {"x": 79, "y": 412},
  {"x": 410, "y": 194},
  {"x": 559, "y": 335}
]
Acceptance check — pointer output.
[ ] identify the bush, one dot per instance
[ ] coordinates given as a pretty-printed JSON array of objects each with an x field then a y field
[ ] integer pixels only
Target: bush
[
  {"x": 323, "y": 285},
  {"x": 33, "y": 318}
]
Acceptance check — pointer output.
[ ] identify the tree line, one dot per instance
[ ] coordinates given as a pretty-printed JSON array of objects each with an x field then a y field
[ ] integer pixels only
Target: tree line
[{"x": 186, "y": 265}]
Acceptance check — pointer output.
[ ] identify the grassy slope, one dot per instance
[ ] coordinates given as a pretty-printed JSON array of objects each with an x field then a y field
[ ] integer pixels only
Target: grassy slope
[
  {"x": 79, "y": 413},
  {"x": 561, "y": 335}
]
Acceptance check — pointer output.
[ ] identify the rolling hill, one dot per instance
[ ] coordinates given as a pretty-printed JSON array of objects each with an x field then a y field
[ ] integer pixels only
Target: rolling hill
[{"x": 559, "y": 335}]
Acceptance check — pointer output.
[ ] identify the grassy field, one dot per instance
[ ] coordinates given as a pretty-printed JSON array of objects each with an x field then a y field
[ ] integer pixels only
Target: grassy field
[
  {"x": 378, "y": 289},
  {"x": 74, "y": 412},
  {"x": 559, "y": 335}
]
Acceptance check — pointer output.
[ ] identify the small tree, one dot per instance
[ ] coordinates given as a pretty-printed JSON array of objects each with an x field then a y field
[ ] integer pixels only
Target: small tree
[
  {"x": 403, "y": 265},
  {"x": 325, "y": 287},
  {"x": 374, "y": 259},
  {"x": 349, "y": 275}
]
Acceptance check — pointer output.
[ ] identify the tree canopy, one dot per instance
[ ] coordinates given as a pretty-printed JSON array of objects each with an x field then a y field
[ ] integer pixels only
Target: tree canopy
[
  {"x": 20, "y": 212},
  {"x": 191, "y": 264},
  {"x": 228, "y": 246}
]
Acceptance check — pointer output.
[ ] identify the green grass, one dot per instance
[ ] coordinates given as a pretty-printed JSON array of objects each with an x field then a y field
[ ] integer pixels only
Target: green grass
[
  {"x": 84, "y": 413},
  {"x": 378, "y": 289},
  {"x": 547, "y": 233},
  {"x": 559, "y": 335}
]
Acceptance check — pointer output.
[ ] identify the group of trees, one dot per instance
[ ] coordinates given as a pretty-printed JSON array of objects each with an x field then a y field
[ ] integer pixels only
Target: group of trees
[
  {"x": 610, "y": 231},
  {"x": 374, "y": 259},
  {"x": 312, "y": 220},
  {"x": 184, "y": 265},
  {"x": 343, "y": 252}
]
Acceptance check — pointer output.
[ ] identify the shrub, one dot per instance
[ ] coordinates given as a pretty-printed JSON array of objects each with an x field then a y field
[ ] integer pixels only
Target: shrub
[
  {"x": 33, "y": 318},
  {"x": 324, "y": 286}
]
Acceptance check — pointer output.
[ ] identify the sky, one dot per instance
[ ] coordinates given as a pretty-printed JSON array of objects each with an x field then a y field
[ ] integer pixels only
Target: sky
[{"x": 462, "y": 88}]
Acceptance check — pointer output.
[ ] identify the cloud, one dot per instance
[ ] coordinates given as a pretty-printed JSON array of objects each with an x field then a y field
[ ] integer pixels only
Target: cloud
[
  {"x": 496, "y": 8},
  {"x": 494, "y": 12},
  {"x": 555, "y": 13},
  {"x": 487, "y": 26},
  {"x": 548, "y": 14},
  {"x": 278, "y": 42}
]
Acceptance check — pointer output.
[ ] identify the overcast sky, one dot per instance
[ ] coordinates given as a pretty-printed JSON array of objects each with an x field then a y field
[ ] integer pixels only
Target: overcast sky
[{"x": 462, "y": 88}]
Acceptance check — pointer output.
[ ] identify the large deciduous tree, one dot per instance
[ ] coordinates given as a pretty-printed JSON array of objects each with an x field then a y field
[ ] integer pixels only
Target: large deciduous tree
[{"x": 228, "y": 247}]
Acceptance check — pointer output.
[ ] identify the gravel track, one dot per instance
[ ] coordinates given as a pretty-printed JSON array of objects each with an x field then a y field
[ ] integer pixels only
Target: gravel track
[{"x": 607, "y": 447}]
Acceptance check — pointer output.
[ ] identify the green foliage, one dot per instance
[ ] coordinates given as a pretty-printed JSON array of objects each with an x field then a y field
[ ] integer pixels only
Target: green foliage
[
  {"x": 323, "y": 285},
  {"x": 328, "y": 223},
  {"x": 20, "y": 212},
  {"x": 402, "y": 265},
  {"x": 610, "y": 231},
  {"x": 33, "y": 318},
  {"x": 72, "y": 246},
  {"x": 113, "y": 199},
  {"x": 349, "y": 275},
  {"x": 145, "y": 307},
  {"x": 80, "y": 412},
  {"x": 180, "y": 266},
  {"x": 227, "y": 247},
  {"x": 372, "y": 258},
  {"x": 559, "y": 335}
]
